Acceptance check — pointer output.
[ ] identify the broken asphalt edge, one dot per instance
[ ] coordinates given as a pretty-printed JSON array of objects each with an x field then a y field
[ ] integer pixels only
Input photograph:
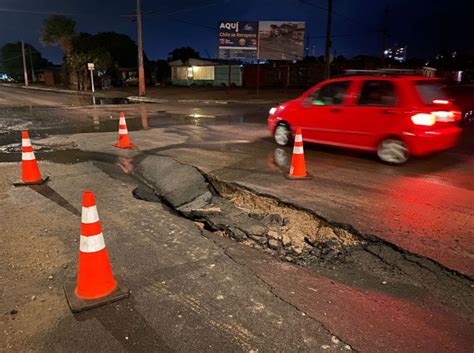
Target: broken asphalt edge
[
  {"x": 424, "y": 262},
  {"x": 371, "y": 238}
]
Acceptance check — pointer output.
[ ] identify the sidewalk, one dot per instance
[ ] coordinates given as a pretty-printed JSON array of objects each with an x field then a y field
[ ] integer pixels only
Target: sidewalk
[{"x": 187, "y": 95}]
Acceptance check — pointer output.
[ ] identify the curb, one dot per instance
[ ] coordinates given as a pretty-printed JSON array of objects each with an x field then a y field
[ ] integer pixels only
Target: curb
[
  {"x": 143, "y": 99},
  {"x": 147, "y": 99},
  {"x": 195, "y": 101},
  {"x": 55, "y": 90}
]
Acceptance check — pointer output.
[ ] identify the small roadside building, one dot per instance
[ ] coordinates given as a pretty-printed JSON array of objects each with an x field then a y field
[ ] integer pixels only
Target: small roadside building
[{"x": 200, "y": 72}]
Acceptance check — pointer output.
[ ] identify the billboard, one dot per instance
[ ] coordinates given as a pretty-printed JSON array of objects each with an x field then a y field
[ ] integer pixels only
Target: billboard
[
  {"x": 281, "y": 40},
  {"x": 267, "y": 40},
  {"x": 238, "y": 40}
]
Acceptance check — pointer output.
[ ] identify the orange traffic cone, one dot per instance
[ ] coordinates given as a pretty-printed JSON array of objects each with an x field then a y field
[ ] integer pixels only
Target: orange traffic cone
[
  {"x": 123, "y": 139},
  {"x": 298, "y": 166},
  {"x": 30, "y": 174},
  {"x": 95, "y": 283}
]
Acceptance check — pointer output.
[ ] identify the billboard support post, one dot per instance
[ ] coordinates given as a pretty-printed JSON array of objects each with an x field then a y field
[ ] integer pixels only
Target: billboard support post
[{"x": 229, "y": 77}]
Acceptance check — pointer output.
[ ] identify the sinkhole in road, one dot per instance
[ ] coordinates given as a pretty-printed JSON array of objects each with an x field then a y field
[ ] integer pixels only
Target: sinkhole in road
[
  {"x": 259, "y": 221},
  {"x": 292, "y": 233}
]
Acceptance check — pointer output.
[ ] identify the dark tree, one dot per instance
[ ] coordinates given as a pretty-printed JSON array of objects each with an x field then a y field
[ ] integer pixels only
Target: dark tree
[
  {"x": 159, "y": 70},
  {"x": 12, "y": 61},
  {"x": 183, "y": 53},
  {"x": 121, "y": 47},
  {"x": 58, "y": 30}
]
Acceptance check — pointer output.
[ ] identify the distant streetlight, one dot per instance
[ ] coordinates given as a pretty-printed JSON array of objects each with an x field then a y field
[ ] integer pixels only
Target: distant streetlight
[{"x": 91, "y": 68}]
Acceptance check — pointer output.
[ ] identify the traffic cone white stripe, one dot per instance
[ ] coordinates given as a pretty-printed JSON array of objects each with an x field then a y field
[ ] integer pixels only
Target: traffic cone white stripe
[
  {"x": 122, "y": 120},
  {"x": 298, "y": 138},
  {"x": 298, "y": 150},
  {"x": 28, "y": 156},
  {"x": 26, "y": 142},
  {"x": 123, "y": 131},
  {"x": 93, "y": 243},
  {"x": 89, "y": 215}
]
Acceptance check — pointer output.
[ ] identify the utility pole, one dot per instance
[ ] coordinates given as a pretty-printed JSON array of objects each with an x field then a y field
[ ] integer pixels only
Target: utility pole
[
  {"x": 25, "y": 73},
  {"x": 327, "y": 54},
  {"x": 33, "y": 76},
  {"x": 141, "y": 70}
]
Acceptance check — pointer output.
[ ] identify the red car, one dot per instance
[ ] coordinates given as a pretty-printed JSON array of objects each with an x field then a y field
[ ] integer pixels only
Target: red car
[{"x": 394, "y": 116}]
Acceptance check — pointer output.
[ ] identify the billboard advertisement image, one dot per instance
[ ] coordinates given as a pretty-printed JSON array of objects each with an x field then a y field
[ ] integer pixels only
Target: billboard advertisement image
[
  {"x": 238, "y": 40},
  {"x": 281, "y": 40},
  {"x": 265, "y": 40}
]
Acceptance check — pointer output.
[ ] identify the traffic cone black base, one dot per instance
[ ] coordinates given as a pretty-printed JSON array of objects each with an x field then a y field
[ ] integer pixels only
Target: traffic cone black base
[
  {"x": 40, "y": 182},
  {"x": 308, "y": 176},
  {"x": 125, "y": 147},
  {"x": 77, "y": 304}
]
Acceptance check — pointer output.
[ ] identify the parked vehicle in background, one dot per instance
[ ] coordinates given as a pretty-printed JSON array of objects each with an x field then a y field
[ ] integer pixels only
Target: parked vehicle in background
[
  {"x": 394, "y": 116},
  {"x": 131, "y": 81},
  {"x": 463, "y": 96}
]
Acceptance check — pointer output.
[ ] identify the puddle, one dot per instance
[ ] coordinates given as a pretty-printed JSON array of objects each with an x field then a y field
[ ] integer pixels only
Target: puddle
[
  {"x": 110, "y": 101},
  {"x": 66, "y": 156}
]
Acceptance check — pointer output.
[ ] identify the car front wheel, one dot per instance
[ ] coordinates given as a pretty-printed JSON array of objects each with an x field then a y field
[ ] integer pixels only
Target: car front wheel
[
  {"x": 393, "y": 151},
  {"x": 282, "y": 135}
]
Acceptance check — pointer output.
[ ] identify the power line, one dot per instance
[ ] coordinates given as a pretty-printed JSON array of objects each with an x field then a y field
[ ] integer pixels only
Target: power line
[
  {"x": 11, "y": 58},
  {"x": 3, "y": 9}
]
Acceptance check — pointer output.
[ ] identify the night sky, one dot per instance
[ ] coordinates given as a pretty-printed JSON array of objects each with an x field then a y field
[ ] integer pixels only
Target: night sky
[{"x": 427, "y": 27}]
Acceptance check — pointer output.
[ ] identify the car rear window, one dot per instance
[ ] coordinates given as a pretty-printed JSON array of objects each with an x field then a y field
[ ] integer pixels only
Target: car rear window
[{"x": 430, "y": 90}]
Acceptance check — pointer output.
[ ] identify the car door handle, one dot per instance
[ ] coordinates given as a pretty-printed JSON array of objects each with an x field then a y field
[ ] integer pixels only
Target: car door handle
[
  {"x": 335, "y": 110},
  {"x": 388, "y": 111}
]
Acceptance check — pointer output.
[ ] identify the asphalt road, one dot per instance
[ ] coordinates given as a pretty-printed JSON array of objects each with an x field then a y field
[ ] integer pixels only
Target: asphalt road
[{"x": 424, "y": 207}]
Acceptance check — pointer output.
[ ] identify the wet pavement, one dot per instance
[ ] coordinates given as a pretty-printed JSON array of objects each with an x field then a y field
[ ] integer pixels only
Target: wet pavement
[{"x": 424, "y": 207}]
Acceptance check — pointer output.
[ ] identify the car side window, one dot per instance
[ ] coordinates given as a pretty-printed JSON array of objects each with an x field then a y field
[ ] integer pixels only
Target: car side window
[
  {"x": 377, "y": 93},
  {"x": 331, "y": 94}
]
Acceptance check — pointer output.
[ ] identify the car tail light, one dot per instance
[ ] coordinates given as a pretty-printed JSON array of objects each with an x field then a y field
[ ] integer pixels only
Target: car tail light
[
  {"x": 423, "y": 119},
  {"x": 429, "y": 119},
  {"x": 443, "y": 116}
]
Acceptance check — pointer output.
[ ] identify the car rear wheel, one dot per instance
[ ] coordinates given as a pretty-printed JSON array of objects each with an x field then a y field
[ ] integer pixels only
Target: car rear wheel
[
  {"x": 393, "y": 151},
  {"x": 282, "y": 135}
]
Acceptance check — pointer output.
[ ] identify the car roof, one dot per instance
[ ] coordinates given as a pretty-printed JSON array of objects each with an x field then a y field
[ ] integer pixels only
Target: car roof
[{"x": 385, "y": 77}]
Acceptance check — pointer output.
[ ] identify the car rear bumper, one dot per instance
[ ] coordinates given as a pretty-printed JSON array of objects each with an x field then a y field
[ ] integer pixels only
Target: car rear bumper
[{"x": 426, "y": 142}]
